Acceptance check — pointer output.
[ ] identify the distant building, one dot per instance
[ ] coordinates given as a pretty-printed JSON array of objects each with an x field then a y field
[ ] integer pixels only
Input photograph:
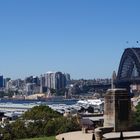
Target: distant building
[
  {"x": 55, "y": 80},
  {"x": 29, "y": 88},
  {"x": 60, "y": 80},
  {"x": 67, "y": 76},
  {"x": 36, "y": 80},
  {"x": 50, "y": 80},
  {"x": 43, "y": 88},
  {"x": 1, "y": 81},
  {"x": 29, "y": 79},
  {"x": 5, "y": 81}
]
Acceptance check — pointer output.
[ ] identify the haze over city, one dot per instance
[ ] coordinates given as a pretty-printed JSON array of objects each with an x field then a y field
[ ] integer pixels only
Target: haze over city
[{"x": 83, "y": 38}]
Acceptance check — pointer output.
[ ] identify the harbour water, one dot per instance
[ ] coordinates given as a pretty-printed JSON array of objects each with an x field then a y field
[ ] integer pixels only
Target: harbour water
[
  {"x": 49, "y": 102},
  {"x": 18, "y": 107}
]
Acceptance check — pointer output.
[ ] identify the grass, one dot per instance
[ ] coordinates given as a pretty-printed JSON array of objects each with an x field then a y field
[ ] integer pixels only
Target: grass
[{"x": 42, "y": 138}]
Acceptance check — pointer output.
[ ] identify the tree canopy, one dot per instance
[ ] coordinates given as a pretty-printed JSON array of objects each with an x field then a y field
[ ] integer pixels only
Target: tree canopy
[
  {"x": 41, "y": 112},
  {"x": 136, "y": 118},
  {"x": 39, "y": 121}
]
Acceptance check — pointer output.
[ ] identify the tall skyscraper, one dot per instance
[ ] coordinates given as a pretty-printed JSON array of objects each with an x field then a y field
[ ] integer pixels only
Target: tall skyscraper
[
  {"x": 29, "y": 79},
  {"x": 67, "y": 76},
  {"x": 50, "y": 80},
  {"x": 58, "y": 80},
  {"x": 6, "y": 81},
  {"x": 55, "y": 80},
  {"x": 29, "y": 88},
  {"x": 43, "y": 88},
  {"x": 1, "y": 81},
  {"x": 36, "y": 80}
]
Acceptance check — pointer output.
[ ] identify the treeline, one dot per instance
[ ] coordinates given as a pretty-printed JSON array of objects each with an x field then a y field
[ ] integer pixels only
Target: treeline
[
  {"x": 39, "y": 121},
  {"x": 8, "y": 94}
]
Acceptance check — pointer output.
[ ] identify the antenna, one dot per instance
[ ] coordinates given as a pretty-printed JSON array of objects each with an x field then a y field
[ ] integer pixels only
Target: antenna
[
  {"x": 127, "y": 42},
  {"x": 133, "y": 44},
  {"x": 138, "y": 44}
]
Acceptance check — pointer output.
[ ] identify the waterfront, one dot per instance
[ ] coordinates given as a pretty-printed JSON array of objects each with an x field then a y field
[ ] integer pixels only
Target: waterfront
[
  {"x": 47, "y": 102},
  {"x": 20, "y": 106},
  {"x": 68, "y": 106}
]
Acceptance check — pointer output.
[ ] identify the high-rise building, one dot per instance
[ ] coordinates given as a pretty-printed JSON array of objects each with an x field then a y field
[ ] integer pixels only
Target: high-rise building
[
  {"x": 36, "y": 80},
  {"x": 43, "y": 88},
  {"x": 67, "y": 75},
  {"x": 60, "y": 80},
  {"x": 29, "y": 88},
  {"x": 29, "y": 79},
  {"x": 50, "y": 80},
  {"x": 1, "y": 81},
  {"x": 55, "y": 80},
  {"x": 6, "y": 81}
]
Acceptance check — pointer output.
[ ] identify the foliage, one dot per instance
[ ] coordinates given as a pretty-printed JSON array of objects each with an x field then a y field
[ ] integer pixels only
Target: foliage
[
  {"x": 53, "y": 91},
  {"x": 8, "y": 94},
  {"x": 41, "y": 112},
  {"x": 35, "y": 129},
  {"x": 18, "y": 129},
  {"x": 66, "y": 125},
  {"x": 49, "y": 129},
  {"x": 136, "y": 118},
  {"x": 59, "y": 92},
  {"x": 62, "y": 91},
  {"x": 7, "y": 133},
  {"x": 39, "y": 121},
  {"x": 61, "y": 125}
]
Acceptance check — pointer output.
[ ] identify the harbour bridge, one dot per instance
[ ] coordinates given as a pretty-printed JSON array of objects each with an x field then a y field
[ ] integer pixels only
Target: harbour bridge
[{"x": 129, "y": 69}]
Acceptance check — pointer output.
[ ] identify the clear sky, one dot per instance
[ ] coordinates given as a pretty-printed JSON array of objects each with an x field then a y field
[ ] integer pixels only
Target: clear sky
[{"x": 85, "y": 38}]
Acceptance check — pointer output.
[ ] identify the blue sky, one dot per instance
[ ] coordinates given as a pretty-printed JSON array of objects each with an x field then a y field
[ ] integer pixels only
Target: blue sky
[{"x": 85, "y": 38}]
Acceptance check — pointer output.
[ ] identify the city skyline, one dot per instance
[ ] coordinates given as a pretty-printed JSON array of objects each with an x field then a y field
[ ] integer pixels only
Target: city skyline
[{"x": 83, "y": 38}]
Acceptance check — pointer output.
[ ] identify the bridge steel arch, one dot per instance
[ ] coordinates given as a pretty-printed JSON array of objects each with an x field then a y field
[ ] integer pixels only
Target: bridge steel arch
[{"x": 130, "y": 60}]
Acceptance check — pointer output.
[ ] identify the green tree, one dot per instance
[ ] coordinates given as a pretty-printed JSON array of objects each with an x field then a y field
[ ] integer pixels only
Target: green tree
[
  {"x": 41, "y": 112},
  {"x": 50, "y": 128},
  {"x": 136, "y": 117},
  {"x": 35, "y": 129},
  {"x": 7, "y": 133},
  {"x": 53, "y": 91},
  {"x": 19, "y": 129},
  {"x": 39, "y": 121}
]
